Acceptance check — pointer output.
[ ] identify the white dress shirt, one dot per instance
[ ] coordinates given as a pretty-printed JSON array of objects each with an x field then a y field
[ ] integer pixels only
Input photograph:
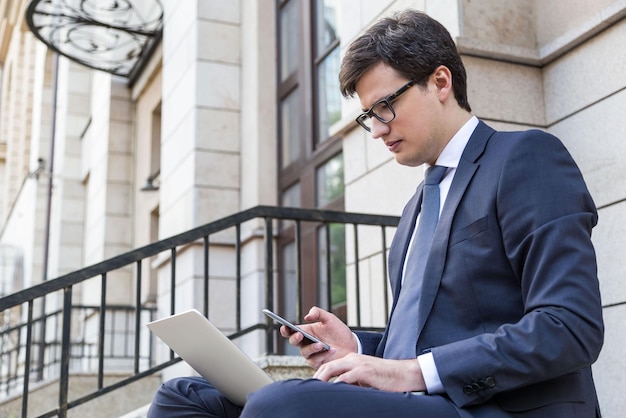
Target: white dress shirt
[{"x": 450, "y": 157}]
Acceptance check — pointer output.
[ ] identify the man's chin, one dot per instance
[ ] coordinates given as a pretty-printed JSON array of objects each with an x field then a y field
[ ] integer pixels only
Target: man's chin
[{"x": 403, "y": 160}]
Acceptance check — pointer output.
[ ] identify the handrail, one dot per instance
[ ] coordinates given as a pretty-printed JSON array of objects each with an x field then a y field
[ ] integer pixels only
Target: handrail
[
  {"x": 149, "y": 250},
  {"x": 67, "y": 340}
]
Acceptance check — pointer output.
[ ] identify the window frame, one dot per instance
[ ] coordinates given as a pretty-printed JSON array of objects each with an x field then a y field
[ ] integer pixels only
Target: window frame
[{"x": 313, "y": 154}]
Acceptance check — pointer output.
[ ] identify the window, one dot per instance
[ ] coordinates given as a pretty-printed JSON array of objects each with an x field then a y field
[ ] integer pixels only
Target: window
[
  {"x": 310, "y": 159},
  {"x": 309, "y": 100},
  {"x": 288, "y": 42},
  {"x": 327, "y": 64},
  {"x": 291, "y": 196},
  {"x": 329, "y": 181},
  {"x": 155, "y": 142},
  {"x": 331, "y": 259},
  {"x": 291, "y": 147}
]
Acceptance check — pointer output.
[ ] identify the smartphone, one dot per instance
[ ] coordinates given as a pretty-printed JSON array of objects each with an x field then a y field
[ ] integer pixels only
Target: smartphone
[{"x": 288, "y": 324}]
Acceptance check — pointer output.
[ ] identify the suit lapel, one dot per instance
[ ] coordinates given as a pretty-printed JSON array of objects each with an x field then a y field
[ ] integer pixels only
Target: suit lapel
[{"x": 466, "y": 169}]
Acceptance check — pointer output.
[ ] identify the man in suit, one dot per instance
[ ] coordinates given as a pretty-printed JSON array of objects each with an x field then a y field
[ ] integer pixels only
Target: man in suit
[{"x": 503, "y": 318}]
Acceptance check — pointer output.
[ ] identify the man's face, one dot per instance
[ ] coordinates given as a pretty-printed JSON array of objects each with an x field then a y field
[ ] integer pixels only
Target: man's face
[{"x": 415, "y": 136}]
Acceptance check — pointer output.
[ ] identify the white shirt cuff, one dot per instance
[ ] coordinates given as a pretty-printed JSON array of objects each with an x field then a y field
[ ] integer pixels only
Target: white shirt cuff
[
  {"x": 430, "y": 373},
  {"x": 358, "y": 343}
]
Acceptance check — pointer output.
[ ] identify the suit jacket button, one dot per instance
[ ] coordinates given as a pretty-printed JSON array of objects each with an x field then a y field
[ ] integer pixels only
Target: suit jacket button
[
  {"x": 490, "y": 382},
  {"x": 468, "y": 389}
]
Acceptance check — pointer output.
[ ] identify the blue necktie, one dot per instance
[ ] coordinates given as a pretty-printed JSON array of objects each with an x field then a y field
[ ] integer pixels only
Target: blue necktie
[{"x": 402, "y": 332}]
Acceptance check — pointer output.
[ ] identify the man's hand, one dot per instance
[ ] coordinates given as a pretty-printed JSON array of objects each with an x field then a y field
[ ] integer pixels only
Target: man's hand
[
  {"x": 328, "y": 328},
  {"x": 383, "y": 374}
]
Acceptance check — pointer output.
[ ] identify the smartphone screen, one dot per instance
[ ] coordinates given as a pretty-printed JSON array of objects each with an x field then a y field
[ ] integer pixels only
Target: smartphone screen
[{"x": 286, "y": 323}]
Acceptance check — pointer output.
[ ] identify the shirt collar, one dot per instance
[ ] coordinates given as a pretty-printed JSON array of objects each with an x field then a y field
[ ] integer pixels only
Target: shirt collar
[{"x": 451, "y": 154}]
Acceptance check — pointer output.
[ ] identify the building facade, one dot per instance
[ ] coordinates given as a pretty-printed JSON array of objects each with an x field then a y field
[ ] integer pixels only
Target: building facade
[{"x": 239, "y": 106}]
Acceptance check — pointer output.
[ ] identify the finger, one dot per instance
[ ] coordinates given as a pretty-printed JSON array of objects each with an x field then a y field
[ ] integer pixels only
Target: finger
[
  {"x": 329, "y": 370},
  {"x": 346, "y": 377},
  {"x": 322, "y": 373},
  {"x": 315, "y": 362},
  {"x": 347, "y": 372},
  {"x": 312, "y": 315},
  {"x": 295, "y": 339},
  {"x": 316, "y": 315},
  {"x": 310, "y": 350},
  {"x": 286, "y": 331}
]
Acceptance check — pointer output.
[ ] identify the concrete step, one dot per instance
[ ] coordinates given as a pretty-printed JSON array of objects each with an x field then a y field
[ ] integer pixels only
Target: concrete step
[
  {"x": 44, "y": 397},
  {"x": 138, "y": 413}
]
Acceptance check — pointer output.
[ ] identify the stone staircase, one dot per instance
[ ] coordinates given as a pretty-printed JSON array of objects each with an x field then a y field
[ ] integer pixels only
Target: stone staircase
[
  {"x": 135, "y": 397},
  {"x": 44, "y": 397}
]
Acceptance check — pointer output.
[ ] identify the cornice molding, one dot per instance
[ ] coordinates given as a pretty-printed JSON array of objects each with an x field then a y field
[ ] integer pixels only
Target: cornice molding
[{"x": 545, "y": 54}]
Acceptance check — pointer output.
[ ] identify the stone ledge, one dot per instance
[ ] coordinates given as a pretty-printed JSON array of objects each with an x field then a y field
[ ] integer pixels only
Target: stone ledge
[{"x": 285, "y": 367}]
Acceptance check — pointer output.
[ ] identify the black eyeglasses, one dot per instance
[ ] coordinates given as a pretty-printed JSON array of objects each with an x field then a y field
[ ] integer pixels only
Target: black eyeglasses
[{"x": 382, "y": 109}]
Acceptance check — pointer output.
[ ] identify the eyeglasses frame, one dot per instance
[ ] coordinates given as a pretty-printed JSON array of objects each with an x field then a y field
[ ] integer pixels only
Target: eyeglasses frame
[{"x": 388, "y": 100}]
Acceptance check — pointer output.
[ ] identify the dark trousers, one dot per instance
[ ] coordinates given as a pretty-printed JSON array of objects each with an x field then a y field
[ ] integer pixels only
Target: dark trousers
[{"x": 193, "y": 397}]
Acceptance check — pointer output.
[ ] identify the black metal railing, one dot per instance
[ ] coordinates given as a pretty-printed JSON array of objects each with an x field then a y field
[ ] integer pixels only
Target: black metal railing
[
  {"x": 83, "y": 350},
  {"x": 52, "y": 345}
]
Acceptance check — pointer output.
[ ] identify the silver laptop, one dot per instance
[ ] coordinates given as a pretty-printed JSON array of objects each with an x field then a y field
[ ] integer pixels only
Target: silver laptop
[{"x": 209, "y": 352}]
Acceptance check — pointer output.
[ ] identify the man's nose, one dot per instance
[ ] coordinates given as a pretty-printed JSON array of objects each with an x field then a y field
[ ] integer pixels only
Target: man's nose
[{"x": 379, "y": 128}]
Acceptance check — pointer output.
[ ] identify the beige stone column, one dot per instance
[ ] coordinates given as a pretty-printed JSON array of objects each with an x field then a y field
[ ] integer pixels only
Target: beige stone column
[
  {"x": 106, "y": 172},
  {"x": 200, "y": 113},
  {"x": 200, "y": 150}
]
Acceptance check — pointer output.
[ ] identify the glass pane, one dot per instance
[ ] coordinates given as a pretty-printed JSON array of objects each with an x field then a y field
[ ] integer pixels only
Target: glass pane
[
  {"x": 328, "y": 95},
  {"x": 288, "y": 39},
  {"x": 332, "y": 290},
  {"x": 290, "y": 141},
  {"x": 329, "y": 181},
  {"x": 289, "y": 291},
  {"x": 326, "y": 25},
  {"x": 291, "y": 197}
]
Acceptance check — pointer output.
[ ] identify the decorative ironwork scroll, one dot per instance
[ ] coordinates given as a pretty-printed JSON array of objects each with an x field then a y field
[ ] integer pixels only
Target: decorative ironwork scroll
[{"x": 108, "y": 35}]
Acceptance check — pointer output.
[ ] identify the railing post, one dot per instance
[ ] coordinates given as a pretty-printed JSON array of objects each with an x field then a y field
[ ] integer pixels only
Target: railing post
[
  {"x": 138, "y": 316},
  {"x": 173, "y": 281},
  {"x": 329, "y": 293},
  {"x": 269, "y": 282},
  {"x": 101, "y": 328},
  {"x": 205, "y": 294},
  {"x": 238, "y": 275},
  {"x": 29, "y": 339},
  {"x": 65, "y": 351},
  {"x": 357, "y": 277},
  {"x": 298, "y": 270}
]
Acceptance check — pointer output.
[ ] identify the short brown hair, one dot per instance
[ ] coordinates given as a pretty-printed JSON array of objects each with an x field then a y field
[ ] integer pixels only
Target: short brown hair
[{"x": 412, "y": 43}]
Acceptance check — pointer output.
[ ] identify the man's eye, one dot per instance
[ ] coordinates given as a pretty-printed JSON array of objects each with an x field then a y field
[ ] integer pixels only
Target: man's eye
[
  {"x": 381, "y": 107},
  {"x": 383, "y": 110}
]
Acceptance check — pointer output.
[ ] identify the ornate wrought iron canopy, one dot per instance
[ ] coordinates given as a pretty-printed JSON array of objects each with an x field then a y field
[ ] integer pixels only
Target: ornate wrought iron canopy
[{"x": 109, "y": 35}]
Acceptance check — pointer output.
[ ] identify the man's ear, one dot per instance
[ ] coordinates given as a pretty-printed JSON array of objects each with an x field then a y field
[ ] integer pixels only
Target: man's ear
[{"x": 442, "y": 78}]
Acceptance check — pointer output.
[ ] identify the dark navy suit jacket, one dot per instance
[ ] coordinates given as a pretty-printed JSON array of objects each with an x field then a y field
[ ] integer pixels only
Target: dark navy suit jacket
[{"x": 510, "y": 305}]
